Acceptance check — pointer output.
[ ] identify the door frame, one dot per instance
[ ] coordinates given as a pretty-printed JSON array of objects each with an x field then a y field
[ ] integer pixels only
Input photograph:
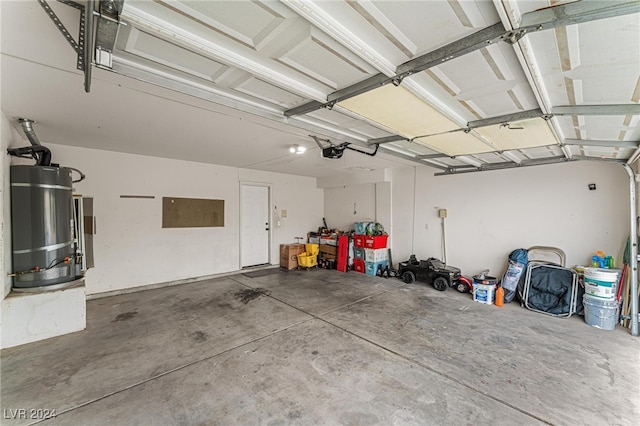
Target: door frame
[{"x": 269, "y": 234}]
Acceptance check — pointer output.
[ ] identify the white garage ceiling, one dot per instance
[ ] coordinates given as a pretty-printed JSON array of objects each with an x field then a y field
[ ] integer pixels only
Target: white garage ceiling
[{"x": 456, "y": 85}]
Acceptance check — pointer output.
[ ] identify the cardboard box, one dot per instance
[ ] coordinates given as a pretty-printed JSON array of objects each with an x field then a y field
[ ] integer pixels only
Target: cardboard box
[
  {"x": 289, "y": 255},
  {"x": 327, "y": 249}
]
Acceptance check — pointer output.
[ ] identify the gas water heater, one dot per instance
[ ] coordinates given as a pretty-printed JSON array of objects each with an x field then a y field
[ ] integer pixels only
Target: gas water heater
[{"x": 47, "y": 221}]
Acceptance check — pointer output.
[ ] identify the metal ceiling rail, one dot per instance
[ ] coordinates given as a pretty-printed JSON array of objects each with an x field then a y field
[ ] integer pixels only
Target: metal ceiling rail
[
  {"x": 501, "y": 119},
  {"x": 608, "y": 144},
  {"x": 507, "y": 118},
  {"x": 506, "y": 165},
  {"x": 432, "y": 156},
  {"x": 525, "y": 163},
  {"x": 557, "y": 16},
  {"x": 622, "y": 109},
  {"x": 601, "y": 159},
  {"x": 415, "y": 159},
  {"x": 386, "y": 139},
  {"x": 577, "y": 13},
  {"x": 86, "y": 25}
]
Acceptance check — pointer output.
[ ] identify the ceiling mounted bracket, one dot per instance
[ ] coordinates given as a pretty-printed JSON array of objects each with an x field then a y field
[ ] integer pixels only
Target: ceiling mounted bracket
[
  {"x": 78, "y": 46},
  {"x": 397, "y": 81},
  {"x": 107, "y": 27},
  {"x": 512, "y": 37},
  {"x": 83, "y": 47}
]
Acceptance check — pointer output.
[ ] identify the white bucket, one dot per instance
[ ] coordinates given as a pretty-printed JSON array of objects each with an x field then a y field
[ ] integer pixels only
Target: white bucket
[
  {"x": 484, "y": 293},
  {"x": 601, "y": 283},
  {"x": 600, "y": 313}
]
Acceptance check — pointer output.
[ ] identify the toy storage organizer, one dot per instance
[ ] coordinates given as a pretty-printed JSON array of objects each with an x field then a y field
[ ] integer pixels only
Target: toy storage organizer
[{"x": 370, "y": 253}]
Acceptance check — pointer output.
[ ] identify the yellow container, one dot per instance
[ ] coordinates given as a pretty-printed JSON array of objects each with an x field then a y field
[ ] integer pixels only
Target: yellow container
[
  {"x": 306, "y": 260},
  {"x": 312, "y": 249}
]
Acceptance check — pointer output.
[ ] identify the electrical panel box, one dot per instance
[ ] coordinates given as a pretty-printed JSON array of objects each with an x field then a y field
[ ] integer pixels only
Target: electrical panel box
[{"x": 442, "y": 213}]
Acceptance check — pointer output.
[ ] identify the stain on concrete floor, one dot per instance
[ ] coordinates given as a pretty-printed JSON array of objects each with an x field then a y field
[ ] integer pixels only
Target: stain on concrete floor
[
  {"x": 125, "y": 316},
  {"x": 374, "y": 351},
  {"x": 249, "y": 294}
]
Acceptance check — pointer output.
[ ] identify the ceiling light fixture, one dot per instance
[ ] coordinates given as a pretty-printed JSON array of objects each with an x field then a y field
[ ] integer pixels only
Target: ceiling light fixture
[{"x": 297, "y": 149}]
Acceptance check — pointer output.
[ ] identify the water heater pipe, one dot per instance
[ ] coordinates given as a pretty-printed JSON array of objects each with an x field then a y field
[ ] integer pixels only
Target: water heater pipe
[
  {"x": 41, "y": 154},
  {"x": 29, "y": 132}
]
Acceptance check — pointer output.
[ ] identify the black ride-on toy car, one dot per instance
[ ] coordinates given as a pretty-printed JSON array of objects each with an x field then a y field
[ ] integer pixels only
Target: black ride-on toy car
[{"x": 433, "y": 271}]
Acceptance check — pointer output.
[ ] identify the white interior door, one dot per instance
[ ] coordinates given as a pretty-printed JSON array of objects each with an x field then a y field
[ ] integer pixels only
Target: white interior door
[{"x": 254, "y": 225}]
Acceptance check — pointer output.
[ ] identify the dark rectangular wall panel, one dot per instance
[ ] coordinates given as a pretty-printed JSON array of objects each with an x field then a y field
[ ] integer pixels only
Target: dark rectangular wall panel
[{"x": 192, "y": 213}]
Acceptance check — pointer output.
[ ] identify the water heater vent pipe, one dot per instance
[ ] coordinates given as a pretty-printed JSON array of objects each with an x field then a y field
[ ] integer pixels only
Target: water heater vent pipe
[{"x": 29, "y": 132}]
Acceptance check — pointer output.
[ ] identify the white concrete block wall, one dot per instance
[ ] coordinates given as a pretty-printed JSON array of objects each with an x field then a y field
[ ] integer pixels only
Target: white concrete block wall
[
  {"x": 348, "y": 204},
  {"x": 492, "y": 213},
  {"x": 131, "y": 247},
  {"x": 28, "y": 317}
]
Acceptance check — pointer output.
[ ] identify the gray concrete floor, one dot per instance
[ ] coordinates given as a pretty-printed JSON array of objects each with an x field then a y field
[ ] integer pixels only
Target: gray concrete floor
[{"x": 323, "y": 348}]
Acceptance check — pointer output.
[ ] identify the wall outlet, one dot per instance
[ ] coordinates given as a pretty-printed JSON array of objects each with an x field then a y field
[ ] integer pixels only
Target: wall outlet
[
  {"x": 284, "y": 213},
  {"x": 442, "y": 213}
]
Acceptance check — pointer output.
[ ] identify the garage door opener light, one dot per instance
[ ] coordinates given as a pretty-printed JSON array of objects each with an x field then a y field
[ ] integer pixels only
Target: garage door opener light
[{"x": 297, "y": 149}]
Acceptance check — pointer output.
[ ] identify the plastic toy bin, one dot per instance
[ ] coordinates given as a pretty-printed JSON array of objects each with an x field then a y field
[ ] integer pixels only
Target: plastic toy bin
[{"x": 377, "y": 242}]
